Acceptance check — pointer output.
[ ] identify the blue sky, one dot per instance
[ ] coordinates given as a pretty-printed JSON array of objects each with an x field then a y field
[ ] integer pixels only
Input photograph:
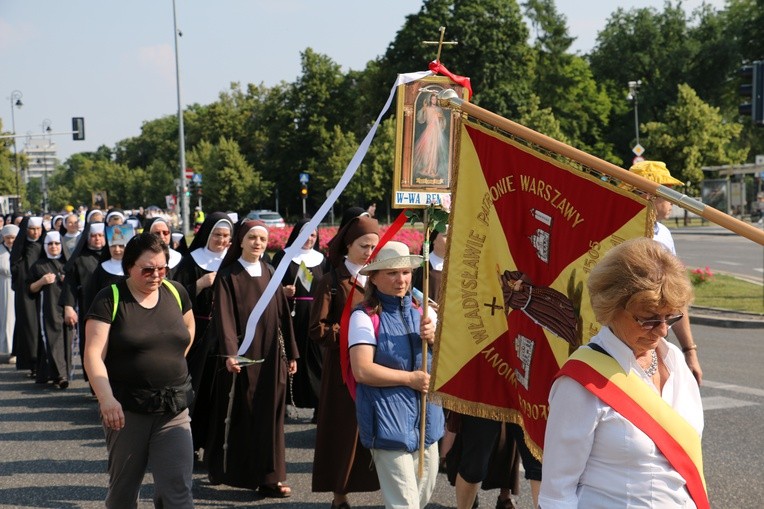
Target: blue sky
[{"x": 113, "y": 62}]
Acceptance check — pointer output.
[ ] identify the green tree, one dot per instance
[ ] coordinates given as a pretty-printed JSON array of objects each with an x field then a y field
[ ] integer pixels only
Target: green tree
[
  {"x": 647, "y": 45},
  {"x": 230, "y": 182},
  {"x": 693, "y": 134}
]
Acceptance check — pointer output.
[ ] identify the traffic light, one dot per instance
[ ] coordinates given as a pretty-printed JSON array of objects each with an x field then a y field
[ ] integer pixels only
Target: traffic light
[
  {"x": 304, "y": 191},
  {"x": 78, "y": 128},
  {"x": 753, "y": 90}
]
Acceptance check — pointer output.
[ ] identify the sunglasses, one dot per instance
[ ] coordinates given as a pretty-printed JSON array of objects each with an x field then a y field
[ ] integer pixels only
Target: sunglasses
[
  {"x": 651, "y": 324},
  {"x": 149, "y": 271}
]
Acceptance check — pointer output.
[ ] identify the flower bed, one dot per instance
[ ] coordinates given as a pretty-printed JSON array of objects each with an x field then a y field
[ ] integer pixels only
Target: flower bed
[{"x": 277, "y": 237}]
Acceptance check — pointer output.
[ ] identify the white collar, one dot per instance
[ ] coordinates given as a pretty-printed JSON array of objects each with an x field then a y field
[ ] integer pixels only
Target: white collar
[
  {"x": 113, "y": 266},
  {"x": 436, "y": 262},
  {"x": 254, "y": 269},
  {"x": 310, "y": 257},
  {"x": 207, "y": 259},
  {"x": 175, "y": 258},
  {"x": 621, "y": 352},
  {"x": 354, "y": 269}
]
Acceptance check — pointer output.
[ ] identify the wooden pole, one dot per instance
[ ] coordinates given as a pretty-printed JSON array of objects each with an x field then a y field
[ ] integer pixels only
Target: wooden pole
[
  {"x": 425, "y": 345},
  {"x": 449, "y": 99}
]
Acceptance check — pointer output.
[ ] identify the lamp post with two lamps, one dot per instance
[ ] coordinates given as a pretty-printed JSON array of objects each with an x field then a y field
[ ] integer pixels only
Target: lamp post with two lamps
[{"x": 16, "y": 96}]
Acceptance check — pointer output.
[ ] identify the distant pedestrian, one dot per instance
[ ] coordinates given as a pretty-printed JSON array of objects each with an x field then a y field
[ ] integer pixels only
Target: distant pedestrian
[{"x": 7, "y": 307}]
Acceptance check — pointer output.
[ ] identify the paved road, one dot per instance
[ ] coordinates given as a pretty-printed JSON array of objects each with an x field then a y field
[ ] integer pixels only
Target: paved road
[
  {"x": 52, "y": 452},
  {"x": 720, "y": 249}
]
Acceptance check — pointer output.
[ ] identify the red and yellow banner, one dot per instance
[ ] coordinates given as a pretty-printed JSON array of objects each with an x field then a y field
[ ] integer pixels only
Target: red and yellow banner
[{"x": 525, "y": 230}]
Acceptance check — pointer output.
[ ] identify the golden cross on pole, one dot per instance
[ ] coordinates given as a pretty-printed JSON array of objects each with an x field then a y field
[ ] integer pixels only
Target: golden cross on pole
[{"x": 440, "y": 43}]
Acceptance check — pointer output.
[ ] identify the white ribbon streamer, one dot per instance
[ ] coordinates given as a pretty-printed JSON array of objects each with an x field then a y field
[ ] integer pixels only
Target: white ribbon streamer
[{"x": 294, "y": 249}]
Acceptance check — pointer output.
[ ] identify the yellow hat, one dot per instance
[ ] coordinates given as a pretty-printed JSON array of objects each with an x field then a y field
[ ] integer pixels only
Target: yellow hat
[{"x": 655, "y": 171}]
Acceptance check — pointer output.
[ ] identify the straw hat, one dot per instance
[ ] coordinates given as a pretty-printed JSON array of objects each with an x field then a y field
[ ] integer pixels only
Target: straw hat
[
  {"x": 393, "y": 255},
  {"x": 655, "y": 171}
]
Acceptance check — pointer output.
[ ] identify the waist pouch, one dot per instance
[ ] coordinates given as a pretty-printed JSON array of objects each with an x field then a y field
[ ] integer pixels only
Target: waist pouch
[{"x": 167, "y": 400}]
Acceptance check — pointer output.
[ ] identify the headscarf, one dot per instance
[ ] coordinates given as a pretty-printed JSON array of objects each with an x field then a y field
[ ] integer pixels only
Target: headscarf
[
  {"x": 235, "y": 251},
  {"x": 175, "y": 256},
  {"x": 311, "y": 257},
  {"x": 198, "y": 248},
  {"x": 89, "y": 215},
  {"x": 356, "y": 227},
  {"x": 351, "y": 213},
  {"x": 10, "y": 229},
  {"x": 114, "y": 213},
  {"x": 52, "y": 236},
  {"x": 84, "y": 242}
]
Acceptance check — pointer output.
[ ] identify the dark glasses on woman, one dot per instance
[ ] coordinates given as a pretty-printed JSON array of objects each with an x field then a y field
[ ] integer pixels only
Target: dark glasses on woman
[
  {"x": 149, "y": 271},
  {"x": 651, "y": 324}
]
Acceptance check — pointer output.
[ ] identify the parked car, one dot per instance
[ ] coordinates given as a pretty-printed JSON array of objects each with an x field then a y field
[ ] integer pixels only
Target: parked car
[{"x": 271, "y": 218}]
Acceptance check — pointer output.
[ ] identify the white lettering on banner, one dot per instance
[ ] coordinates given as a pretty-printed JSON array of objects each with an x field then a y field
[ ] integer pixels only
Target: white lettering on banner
[{"x": 407, "y": 198}]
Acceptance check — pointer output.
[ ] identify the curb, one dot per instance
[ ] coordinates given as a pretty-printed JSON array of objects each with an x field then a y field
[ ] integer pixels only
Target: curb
[{"x": 755, "y": 321}]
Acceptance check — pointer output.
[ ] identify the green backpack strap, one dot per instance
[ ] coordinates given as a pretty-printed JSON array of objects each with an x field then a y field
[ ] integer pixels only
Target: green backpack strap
[
  {"x": 170, "y": 287},
  {"x": 174, "y": 292},
  {"x": 115, "y": 293}
]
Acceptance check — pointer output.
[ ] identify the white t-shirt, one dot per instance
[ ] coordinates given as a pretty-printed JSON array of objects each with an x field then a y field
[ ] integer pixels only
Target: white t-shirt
[
  {"x": 361, "y": 329},
  {"x": 663, "y": 235}
]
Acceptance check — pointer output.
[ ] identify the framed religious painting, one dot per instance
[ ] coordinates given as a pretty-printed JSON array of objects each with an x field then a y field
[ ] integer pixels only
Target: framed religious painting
[
  {"x": 426, "y": 140},
  {"x": 99, "y": 200}
]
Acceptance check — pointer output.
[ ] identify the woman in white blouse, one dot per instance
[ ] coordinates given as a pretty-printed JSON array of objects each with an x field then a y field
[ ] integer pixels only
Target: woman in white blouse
[{"x": 625, "y": 416}]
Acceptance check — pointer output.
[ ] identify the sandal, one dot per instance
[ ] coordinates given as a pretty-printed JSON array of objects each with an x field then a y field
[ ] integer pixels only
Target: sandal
[{"x": 277, "y": 490}]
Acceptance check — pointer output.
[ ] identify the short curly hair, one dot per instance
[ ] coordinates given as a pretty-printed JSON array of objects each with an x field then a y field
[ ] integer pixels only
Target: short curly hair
[{"x": 639, "y": 272}]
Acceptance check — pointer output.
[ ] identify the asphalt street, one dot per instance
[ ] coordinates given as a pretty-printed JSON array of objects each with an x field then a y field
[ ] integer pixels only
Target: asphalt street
[{"x": 52, "y": 452}]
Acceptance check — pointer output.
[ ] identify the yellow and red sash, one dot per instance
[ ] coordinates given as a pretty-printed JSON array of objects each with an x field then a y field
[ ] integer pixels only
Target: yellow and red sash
[{"x": 631, "y": 397}]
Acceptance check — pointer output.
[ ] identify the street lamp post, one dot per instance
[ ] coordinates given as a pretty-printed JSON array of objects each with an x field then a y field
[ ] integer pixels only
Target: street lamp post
[
  {"x": 634, "y": 96},
  {"x": 45, "y": 131},
  {"x": 16, "y": 96},
  {"x": 181, "y": 134}
]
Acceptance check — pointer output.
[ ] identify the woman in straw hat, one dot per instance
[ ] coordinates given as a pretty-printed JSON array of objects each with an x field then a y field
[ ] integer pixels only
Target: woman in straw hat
[{"x": 385, "y": 341}]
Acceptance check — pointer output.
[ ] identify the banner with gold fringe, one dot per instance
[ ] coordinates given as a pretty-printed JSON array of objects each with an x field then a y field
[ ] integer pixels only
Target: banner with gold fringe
[{"x": 524, "y": 232}]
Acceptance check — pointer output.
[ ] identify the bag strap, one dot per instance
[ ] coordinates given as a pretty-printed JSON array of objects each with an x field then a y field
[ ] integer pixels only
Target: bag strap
[
  {"x": 115, "y": 293},
  {"x": 170, "y": 287}
]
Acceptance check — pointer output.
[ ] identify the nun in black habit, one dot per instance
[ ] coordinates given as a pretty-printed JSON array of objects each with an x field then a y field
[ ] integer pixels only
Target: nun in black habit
[
  {"x": 45, "y": 281},
  {"x": 197, "y": 272},
  {"x": 75, "y": 296},
  {"x": 306, "y": 384},
  {"x": 25, "y": 252}
]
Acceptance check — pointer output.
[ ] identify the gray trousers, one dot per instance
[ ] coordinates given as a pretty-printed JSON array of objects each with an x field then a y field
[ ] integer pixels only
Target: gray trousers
[{"x": 163, "y": 444}]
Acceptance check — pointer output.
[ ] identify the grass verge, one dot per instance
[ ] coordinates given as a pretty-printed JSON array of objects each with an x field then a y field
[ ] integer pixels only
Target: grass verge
[{"x": 727, "y": 292}]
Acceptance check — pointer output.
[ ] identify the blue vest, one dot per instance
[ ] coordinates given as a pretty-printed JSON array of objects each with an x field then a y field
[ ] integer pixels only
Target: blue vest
[{"x": 388, "y": 417}]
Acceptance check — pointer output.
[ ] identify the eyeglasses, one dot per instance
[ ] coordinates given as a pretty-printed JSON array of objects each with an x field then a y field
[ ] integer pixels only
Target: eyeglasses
[
  {"x": 651, "y": 324},
  {"x": 149, "y": 271}
]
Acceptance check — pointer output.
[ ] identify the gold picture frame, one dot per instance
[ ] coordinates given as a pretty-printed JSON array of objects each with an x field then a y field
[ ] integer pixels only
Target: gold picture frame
[
  {"x": 99, "y": 200},
  {"x": 426, "y": 140}
]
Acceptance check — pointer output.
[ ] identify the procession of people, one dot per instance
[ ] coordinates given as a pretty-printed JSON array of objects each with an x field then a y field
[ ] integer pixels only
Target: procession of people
[{"x": 160, "y": 332}]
